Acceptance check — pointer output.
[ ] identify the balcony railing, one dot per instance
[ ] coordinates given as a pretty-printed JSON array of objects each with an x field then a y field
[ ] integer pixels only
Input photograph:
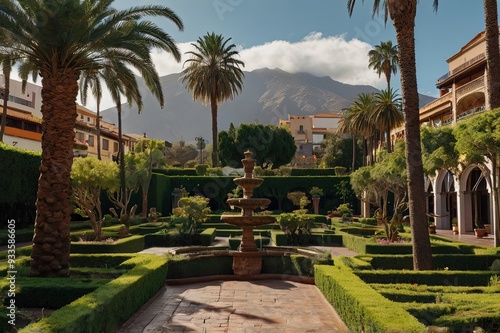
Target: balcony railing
[
  {"x": 447, "y": 121},
  {"x": 470, "y": 86},
  {"x": 470, "y": 112}
]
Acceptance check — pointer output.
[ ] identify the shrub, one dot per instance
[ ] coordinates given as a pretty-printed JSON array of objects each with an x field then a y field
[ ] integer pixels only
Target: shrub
[
  {"x": 191, "y": 211},
  {"x": 201, "y": 169}
]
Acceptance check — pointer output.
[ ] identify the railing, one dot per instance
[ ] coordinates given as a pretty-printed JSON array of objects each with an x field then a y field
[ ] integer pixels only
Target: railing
[
  {"x": 443, "y": 99},
  {"x": 447, "y": 121},
  {"x": 470, "y": 86},
  {"x": 470, "y": 112}
]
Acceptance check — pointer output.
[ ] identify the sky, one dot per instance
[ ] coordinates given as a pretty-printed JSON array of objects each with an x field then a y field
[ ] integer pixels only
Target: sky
[{"x": 318, "y": 36}]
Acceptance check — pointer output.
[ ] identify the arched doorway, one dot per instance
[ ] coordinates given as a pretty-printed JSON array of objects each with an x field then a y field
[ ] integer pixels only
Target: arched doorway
[
  {"x": 429, "y": 191},
  {"x": 477, "y": 200},
  {"x": 449, "y": 199},
  {"x": 446, "y": 199}
]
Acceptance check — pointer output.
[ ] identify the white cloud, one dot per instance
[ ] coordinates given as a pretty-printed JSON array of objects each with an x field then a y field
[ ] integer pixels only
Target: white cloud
[{"x": 334, "y": 56}]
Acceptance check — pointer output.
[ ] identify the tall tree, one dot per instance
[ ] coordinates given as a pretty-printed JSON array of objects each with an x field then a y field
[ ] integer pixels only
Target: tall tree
[
  {"x": 492, "y": 53},
  {"x": 6, "y": 63},
  {"x": 90, "y": 79},
  {"x": 148, "y": 155},
  {"x": 272, "y": 146},
  {"x": 402, "y": 14},
  {"x": 384, "y": 60},
  {"x": 356, "y": 120},
  {"x": 64, "y": 38},
  {"x": 213, "y": 75},
  {"x": 386, "y": 113},
  {"x": 477, "y": 138}
]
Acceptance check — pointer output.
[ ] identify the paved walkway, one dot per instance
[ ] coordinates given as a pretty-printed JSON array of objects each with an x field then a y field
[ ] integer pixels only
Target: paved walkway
[
  {"x": 468, "y": 238},
  {"x": 237, "y": 307}
]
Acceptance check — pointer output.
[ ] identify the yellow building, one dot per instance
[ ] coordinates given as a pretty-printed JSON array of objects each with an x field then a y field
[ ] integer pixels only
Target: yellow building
[{"x": 308, "y": 133}]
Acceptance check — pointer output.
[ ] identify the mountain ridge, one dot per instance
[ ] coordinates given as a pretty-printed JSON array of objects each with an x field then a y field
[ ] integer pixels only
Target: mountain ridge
[{"x": 267, "y": 96}]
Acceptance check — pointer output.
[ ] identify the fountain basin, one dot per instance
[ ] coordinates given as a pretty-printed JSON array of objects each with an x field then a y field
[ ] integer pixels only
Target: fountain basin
[
  {"x": 247, "y": 221},
  {"x": 248, "y": 203}
]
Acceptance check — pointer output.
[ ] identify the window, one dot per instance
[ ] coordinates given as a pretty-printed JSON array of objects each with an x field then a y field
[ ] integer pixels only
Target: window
[
  {"x": 81, "y": 117},
  {"x": 80, "y": 136},
  {"x": 105, "y": 144},
  {"x": 301, "y": 129},
  {"x": 115, "y": 147},
  {"x": 88, "y": 119},
  {"x": 90, "y": 141}
]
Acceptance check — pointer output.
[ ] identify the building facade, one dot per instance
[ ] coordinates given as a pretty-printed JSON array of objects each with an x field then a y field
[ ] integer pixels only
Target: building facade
[
  {"x": 308, "y": 133},
  {"x": 24, "y": 125},
  {"x": 466, "y": 195}
]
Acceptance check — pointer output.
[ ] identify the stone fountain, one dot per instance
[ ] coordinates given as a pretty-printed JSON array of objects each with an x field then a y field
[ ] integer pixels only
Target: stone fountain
[{"x": 248, "y": 260}]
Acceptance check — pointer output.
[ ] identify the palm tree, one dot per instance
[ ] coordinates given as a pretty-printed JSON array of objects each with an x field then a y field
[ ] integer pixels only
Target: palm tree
[
  {"x": 493, "y": 84},
  {"x": 384, "y": 59},
  {"x": 6, "y": 63},
  {"x": 492, "y": 53},
  {"x": 213, "y": 75},
  {"x": 63, "y": 40},
  {"x": 402, "y": 14},
  {"x": 91, "y": 79},
  {"x": 356, "y": 121},
  {"x": 386, "y": 113}
]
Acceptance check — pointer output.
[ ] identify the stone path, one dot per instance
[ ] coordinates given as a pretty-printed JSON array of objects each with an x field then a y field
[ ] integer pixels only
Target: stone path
[{"x": 237, "y": 307}]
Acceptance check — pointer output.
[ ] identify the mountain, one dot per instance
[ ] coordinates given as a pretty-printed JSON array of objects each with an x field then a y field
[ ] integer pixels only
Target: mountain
[{"x": 267, "y": 96}]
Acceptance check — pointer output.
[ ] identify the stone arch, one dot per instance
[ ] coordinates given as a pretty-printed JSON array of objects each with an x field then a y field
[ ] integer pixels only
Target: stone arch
[
  {"x": 469, "y": 102},
  {"x": 445, "y": 198},
  {"x": 475, "y": 197}
]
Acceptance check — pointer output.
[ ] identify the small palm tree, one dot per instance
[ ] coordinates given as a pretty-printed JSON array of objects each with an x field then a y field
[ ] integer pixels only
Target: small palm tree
[
  {"x": 213, "y": 75},
  {"x": 386, "y": 113},
  {"x": 74, "y": 36},
  {"x": 356, "y": 121},
  {"x": 384, "y": 60}
]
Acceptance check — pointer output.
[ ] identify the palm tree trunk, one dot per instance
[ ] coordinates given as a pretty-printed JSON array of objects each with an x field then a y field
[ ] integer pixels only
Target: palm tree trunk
[
  {"x": 388, "y": 140},
  {"x": 215, "y": 150},
  {"x": 492, "y": 53},
  {"x": 6, "y": 75},
  {"x": 403, "y": 17},
  {"x": 51, "y": 242},
  {"x": 98, "y": 129},
  {"x": 354, "y": 144},
  {"x": 121, "y": 154}
]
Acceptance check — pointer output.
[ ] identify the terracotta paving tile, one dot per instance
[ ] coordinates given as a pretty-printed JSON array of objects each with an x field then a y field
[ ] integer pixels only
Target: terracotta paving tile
[{"x": 237, "y": 306}]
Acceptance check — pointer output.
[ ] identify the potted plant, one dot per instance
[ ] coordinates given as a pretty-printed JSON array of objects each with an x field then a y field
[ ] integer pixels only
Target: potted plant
[
  {"x": 454, "y": 223},
  {"x": 432, "y": 227},
  {"x": 316, "y": 193},
  {"x": 479, "y": 230}
]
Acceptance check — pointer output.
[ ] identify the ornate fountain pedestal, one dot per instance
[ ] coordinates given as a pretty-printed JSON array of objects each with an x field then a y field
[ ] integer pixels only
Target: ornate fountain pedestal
[{"x": 248, "y": 260}]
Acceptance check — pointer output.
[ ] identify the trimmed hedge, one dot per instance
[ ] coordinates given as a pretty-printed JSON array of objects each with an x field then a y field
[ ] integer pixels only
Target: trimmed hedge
[
  {"x": 207, "y": 236},
  {"x": 176, "y": 171},
  {"x": 432, "y": 278},
  {"x": 106, "y": 308},
  {"x": 464, "y": 262},
  {"x": 53, "y": 293},
  {"x": 366, "y": 246},
  {"x": 361, "y": 308},
  {"x": 295, "y": 264},
  {"x": 180, "y": 267},
  {"x": 234, "y": 242},
  {"x": 130, "y": 244},
  {"x": 312, "y": 172}
]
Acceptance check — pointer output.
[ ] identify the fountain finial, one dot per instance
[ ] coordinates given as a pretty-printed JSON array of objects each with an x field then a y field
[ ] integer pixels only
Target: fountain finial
[{"x": 248, "y": 164}]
